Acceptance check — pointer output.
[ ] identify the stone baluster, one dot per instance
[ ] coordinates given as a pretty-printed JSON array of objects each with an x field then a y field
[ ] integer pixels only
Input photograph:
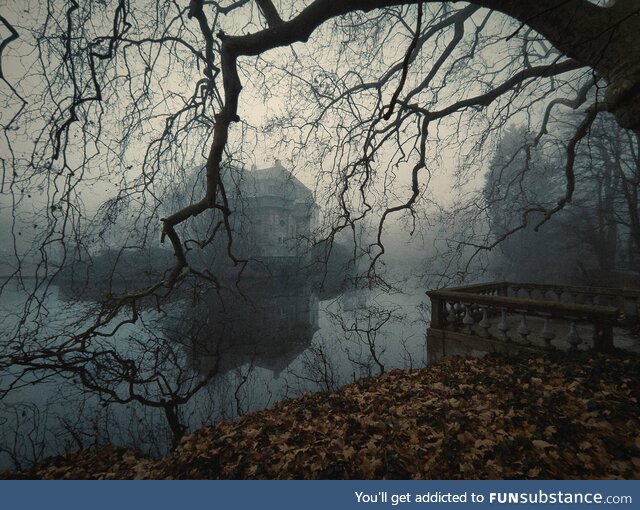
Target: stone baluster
[
  {"x": 467, "y": 320},
  {"x": 523, "y": 329},
  {"x": 573, "y": 338},
  {"x": 485, "y": 323},
  {"x": 547, "y": 333},
  {"x": 503, "y": 326},
  {"x": 452, "y": 318}
]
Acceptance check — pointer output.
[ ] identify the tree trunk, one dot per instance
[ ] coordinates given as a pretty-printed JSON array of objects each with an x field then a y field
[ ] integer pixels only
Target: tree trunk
[{"x": 177, "y": 428}]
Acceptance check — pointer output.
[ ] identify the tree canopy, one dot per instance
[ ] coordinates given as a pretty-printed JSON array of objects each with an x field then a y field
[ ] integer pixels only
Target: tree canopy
[{"x": 127, "y": 96}]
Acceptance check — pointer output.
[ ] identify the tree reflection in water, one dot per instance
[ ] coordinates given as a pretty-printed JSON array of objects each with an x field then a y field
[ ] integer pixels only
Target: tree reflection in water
[
  {"x": 266, "y": 325},
  {"x": 269, "y": 341}
]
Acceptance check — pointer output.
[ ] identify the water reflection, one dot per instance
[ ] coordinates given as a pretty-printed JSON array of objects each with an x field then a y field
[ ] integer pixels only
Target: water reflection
[
  {"x": 265, "y": 325},
  {"x": 269, "y": 341}
]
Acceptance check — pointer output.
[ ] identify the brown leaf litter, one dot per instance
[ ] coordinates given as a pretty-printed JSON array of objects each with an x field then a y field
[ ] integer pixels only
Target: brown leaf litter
[{"x": 558, "y": 416}]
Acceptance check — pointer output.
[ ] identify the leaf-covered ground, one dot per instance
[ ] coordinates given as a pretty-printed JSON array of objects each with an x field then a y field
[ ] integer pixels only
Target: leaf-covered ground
[{"x": 562, "y": 416}]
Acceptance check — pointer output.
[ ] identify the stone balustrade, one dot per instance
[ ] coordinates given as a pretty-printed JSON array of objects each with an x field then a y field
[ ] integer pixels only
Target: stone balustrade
[{"x": 533, "y": 315}]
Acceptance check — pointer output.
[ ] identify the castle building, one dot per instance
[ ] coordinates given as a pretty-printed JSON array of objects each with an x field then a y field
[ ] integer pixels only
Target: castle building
[{"x": 280, "y": 213}]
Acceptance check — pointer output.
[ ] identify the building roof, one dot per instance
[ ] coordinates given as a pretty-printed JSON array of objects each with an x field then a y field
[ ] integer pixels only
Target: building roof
[{"x": 277, "y": 181}]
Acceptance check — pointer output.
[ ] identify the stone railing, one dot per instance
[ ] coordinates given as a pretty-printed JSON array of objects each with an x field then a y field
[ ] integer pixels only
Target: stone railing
[{"x": 534, "y": 314}]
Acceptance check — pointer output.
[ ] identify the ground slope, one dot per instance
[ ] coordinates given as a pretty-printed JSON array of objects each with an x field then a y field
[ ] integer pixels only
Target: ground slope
[{"x": 557, "y": 416}]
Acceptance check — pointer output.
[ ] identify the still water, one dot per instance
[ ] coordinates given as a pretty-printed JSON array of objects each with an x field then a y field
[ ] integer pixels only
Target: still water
[{"x": 252, "y": 346}]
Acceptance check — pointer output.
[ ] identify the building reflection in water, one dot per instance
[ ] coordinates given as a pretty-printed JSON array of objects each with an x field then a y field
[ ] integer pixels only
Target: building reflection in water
[{"x": 267, "y": 325}]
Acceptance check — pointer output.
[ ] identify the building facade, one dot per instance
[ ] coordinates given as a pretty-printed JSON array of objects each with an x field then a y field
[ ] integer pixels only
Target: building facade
[{"x": 279, "y": 214}]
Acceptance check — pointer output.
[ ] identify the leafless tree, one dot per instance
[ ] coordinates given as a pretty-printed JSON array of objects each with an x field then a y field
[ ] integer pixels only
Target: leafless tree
[
  {"x": 593, "y": 236},
  {"x": 317, "y": 371},
  {"x": 363, "y": 327}
]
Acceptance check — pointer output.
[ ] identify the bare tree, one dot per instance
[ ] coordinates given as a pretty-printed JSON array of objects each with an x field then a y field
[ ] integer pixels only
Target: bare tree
[
  {"x": 82, "y": 69},
  {"x": 594, "y": 234},
  {"x": 363, "y": 327}
]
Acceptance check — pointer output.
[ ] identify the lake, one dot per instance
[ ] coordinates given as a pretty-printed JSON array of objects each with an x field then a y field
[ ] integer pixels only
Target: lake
[{"x": 206, "y": 356}]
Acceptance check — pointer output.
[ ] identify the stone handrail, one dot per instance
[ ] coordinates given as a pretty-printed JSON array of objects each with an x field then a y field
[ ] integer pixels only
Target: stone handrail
[
  {"x": 504, "y": 286},
  {"x": 471, "y": 309},
  {"x": 625, "y": 298}
]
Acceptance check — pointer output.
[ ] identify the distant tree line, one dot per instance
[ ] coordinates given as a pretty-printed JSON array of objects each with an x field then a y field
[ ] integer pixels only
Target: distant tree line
[{"x": 594, "y": 238}]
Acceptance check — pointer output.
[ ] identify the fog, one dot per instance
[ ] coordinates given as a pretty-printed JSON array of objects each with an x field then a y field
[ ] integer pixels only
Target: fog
[{"x": 150, "y": 285}]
